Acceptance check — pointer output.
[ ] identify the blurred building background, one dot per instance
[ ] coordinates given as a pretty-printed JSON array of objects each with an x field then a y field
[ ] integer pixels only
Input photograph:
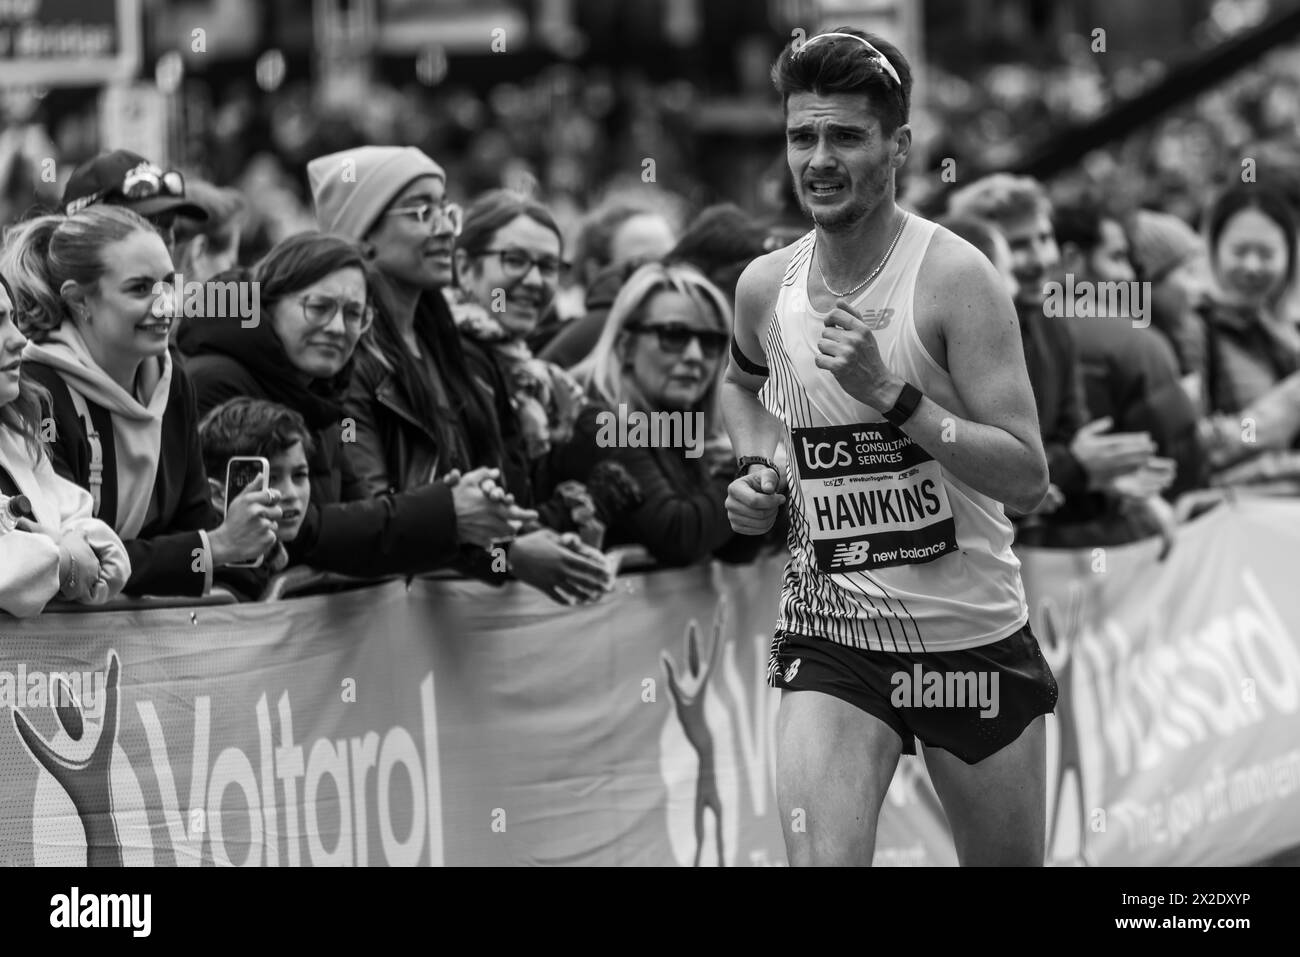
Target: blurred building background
[{"x": 574, "y": 98}]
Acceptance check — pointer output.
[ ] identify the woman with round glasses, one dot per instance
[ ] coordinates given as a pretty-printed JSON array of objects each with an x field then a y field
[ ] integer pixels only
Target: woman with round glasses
[
  {"x": 93, "y": 295},
  {"x": 314, "y": 303},
  {"x": 509, "y": 262},
  {"x": 653, "y": 379}
]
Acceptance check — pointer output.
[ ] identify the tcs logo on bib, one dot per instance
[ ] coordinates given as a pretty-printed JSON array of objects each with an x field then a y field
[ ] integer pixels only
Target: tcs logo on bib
[{"x": 824, "y": 455}]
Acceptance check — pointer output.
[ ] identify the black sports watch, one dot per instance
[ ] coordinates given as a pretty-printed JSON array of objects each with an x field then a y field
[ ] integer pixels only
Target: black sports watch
[
  {"x": 745, "y": 461},
  {"x": 908, "y": 399}
]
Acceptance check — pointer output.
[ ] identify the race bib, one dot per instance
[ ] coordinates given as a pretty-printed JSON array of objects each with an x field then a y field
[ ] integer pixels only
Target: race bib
[{"x": 872, "y": 498}]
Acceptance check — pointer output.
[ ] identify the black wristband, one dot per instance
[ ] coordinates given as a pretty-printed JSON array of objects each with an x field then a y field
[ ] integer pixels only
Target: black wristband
[
  {"x": 908, "y": 399},
  {"x": 743, "y": 464}
]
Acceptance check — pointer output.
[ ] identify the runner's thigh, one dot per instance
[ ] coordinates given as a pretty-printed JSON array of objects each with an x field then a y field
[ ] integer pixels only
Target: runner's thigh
[
  {"x": 834, "y": 763},
  {"x": 997, "y": 808}
]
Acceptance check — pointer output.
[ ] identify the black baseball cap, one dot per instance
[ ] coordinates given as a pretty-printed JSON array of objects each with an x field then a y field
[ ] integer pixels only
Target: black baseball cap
[{"x": 123, "y": 178}]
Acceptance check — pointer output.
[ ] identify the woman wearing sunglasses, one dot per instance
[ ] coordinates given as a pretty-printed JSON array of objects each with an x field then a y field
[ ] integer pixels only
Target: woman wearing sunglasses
[
  {"x": 663, "y": 350},
  {"x": 93, "y": 296},
  {"x": 314, "y": 307},
  {"x": 58, "y": 549}
]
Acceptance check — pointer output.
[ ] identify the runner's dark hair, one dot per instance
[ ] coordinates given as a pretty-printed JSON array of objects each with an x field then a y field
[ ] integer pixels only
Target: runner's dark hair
[{"x": 841, "y": 65}]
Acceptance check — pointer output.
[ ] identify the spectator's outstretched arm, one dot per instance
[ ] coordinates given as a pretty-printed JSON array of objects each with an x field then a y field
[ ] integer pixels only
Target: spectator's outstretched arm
[{"x": 1270, "y": 423}]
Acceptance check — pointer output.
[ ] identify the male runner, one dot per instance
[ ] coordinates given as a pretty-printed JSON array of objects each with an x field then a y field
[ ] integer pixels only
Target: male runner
[{"x": 894, "y": 373}]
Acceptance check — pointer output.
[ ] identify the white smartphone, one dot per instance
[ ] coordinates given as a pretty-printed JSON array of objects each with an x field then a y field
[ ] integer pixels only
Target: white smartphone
[{"x": 243, "y": 471}]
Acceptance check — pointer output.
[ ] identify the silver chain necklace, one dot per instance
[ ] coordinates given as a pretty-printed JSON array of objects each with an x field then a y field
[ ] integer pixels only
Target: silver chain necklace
[{"x": 874, "y": 273}]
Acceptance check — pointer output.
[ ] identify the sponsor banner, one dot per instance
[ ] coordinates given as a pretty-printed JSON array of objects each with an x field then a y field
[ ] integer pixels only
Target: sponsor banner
[
  {"x": 1176, "y": 739},
  {"x": 291, "y": 733},
  {"x": 454, "y": 723},
  {"x": 445, "y": 723},
  {"x": 873, "y": 498}
]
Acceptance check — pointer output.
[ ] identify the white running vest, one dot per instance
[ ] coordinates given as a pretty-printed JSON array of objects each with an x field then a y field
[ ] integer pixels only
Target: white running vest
[{"x": 889, "y": 552}]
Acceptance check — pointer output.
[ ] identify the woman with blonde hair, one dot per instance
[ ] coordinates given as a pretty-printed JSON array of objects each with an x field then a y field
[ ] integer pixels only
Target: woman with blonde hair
[
  {"x": 94, "y": 296},
  {"x": 653, "y": 382}
]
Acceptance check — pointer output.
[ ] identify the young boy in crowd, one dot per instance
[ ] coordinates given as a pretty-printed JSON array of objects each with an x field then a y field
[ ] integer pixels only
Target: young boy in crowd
[{"x": 245, "y": 426}]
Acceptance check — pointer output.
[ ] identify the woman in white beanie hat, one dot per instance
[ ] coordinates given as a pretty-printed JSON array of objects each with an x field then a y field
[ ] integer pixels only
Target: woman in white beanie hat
[{"x": 426, "y": 402}]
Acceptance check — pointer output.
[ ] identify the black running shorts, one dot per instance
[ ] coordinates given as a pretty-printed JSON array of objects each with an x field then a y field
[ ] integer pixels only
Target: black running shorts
[{"x": 971, "y": 703}]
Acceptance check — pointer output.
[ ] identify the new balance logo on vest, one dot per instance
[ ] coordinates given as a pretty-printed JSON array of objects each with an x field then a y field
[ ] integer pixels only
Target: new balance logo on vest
[
  {"x": 877, "y": 318},
  {"x": 850, "y": 554}
]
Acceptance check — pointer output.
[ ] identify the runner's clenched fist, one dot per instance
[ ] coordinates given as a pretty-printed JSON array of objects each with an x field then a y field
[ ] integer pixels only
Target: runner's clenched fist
[
  {"x": 753, "y": 501},
  {"x": 848, "y": 351}
]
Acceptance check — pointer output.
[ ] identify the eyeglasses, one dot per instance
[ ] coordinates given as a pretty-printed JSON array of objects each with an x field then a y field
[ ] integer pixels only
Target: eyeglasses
[
  {"x": 516, "y": 263},
  {"x": 319, "y": 311},
  {"x": 675, "y": 338},
  {"x": 447, "y": 215}
]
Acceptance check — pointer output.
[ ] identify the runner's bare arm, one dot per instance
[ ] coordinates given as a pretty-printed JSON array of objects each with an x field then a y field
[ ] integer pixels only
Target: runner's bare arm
[
  {"x": 997, "y": 450},
  {"x": 753, "y": 430}
]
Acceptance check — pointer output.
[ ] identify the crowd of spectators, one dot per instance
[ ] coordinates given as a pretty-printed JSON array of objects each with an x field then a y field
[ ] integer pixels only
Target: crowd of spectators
[{"x": 435, "y": 386}]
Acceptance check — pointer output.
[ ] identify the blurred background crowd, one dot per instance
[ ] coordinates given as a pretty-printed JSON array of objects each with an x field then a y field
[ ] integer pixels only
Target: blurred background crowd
[{"x": 573, "y": 96}]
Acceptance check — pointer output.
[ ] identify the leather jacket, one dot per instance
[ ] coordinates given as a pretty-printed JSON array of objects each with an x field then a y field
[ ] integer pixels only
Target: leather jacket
[{"x": 393, "y": 450}]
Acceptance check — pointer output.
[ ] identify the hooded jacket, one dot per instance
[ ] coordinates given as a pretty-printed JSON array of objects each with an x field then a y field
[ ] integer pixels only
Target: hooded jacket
[
  {"x": 344, "y": 531},
  {"x": 154, "y": 491}
]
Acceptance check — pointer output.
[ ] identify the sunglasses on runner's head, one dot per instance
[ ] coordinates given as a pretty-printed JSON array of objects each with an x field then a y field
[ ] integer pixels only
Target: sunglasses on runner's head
[
  {"x": 674, "y": 338},
  {"x": 442, "y": 214},
  {"x": 319, "y": 311},
  {"x": 875, "y": 54}
]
